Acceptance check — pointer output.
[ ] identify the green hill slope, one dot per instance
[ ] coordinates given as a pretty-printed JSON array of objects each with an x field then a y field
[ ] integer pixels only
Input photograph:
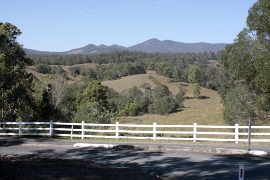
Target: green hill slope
[{"x": 205, "y": 111}]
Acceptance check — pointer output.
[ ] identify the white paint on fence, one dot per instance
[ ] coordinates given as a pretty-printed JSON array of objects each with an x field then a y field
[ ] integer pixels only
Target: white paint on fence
[{"x": 83, "y": 130}]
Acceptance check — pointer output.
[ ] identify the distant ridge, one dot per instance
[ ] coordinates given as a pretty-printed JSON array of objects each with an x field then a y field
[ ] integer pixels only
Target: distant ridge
[
  {"x": 149, "y": 46},
  {"x": 155, "y": 45}
]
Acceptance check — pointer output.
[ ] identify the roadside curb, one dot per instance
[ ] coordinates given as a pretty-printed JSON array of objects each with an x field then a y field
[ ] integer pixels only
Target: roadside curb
[
  {"x": 161, "y": 148},
  {"x": 114, "y": 146},
  {"x": 258, "y": 153},
  {"x": 94, "y": 145},
  {"x": 206, "y": 150}
]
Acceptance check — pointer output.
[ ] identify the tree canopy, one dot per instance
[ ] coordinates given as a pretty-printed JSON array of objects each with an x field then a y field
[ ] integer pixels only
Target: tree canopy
[
  {"x": 16, "y": 84},
  {"x": 247, "y": 61}
]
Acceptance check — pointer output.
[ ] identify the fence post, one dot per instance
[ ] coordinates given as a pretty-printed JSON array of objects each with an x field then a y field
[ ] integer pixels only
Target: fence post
[
  {"x": 82, "y": 129},
  {"x": 195, "y": 132},
  {"x": 117, "y": 130},
  {"x": 51, "y": 128},
  {"x": 71, "y": 133},
  {"x": 236, "y": 131},
  {"x": 154, "y": 130},
  {"x": 20, "y": 127},
  {"x": 249, "y": 133}
]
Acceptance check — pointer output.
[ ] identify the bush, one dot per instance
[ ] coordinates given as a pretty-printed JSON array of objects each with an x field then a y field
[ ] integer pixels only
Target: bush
[
  {"x": 165, "y": 105},
  {"x": 43, "y": 68},
  {"x": 75, "y": 70}
]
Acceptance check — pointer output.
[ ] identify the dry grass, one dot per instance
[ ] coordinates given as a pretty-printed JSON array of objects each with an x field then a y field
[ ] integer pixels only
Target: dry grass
[
  {"x": 205, "y": 111},
  {"x": 129, "y": 81}
]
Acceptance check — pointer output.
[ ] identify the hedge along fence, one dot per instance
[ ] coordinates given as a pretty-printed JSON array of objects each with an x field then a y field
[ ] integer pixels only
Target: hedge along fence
[{"x": 154, "y": 131}]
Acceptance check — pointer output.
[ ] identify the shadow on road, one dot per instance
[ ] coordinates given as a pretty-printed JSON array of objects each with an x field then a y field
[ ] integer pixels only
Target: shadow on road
[
  {"x": 166, "y": 164},
  {"x": 4, "y": 142},
  {"x": 172, "y": 165}
]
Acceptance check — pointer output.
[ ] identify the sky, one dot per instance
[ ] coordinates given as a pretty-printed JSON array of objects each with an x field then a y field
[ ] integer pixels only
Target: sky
[{"x": 62, "y": 25}]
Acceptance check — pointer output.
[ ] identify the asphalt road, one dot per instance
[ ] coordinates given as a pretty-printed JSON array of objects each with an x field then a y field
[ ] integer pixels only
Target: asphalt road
[{"x": 174, "y": 161}]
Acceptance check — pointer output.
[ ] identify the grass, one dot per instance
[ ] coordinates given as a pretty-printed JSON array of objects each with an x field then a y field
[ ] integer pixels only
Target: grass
[{"x": 205, "y": 111}]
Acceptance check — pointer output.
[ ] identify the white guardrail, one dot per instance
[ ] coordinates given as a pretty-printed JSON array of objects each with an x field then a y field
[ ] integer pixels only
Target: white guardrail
[{"x": 154, "y": 131}]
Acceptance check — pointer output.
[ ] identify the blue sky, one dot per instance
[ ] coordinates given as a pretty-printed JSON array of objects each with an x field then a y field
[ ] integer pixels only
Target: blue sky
[{"x": 62, "y": 25}]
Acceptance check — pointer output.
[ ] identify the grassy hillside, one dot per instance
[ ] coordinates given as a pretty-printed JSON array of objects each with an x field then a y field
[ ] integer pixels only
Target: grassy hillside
[{"x": 205, "y": 111}]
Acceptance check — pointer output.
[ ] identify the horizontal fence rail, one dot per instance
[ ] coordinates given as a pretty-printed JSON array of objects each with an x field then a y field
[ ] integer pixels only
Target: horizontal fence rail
[{"x": 154, "y": 131}]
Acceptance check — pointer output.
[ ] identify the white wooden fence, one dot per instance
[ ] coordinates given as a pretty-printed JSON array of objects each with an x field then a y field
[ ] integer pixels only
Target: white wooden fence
[{"x": 83, "y": 130}]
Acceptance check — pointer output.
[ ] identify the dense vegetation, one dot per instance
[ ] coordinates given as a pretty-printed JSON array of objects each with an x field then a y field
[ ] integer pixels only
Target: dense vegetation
[
  {"x": 240, "y": 74},
  {"x": 247, "y": 63},
  {"x": 53, "y": 98}
]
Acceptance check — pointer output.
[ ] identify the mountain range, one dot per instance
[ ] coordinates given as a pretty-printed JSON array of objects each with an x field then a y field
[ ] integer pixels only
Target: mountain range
[{"x": 149, "y": 46}]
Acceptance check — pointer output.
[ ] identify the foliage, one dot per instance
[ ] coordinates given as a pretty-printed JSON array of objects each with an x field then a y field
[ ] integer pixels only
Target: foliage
[
  {"x": 115, "y": 65},
  {"x": 247, "y": 60},
  {"x": 16, "y": 84},
  {"x": 45, "y": 109},
  {"x": 239, "y": 106},
  {"x": 179, "y": 97},
  {"x": 75, "y": 70},
  {"x": 160, "y": 91},
  {"x": 130, "y": 109},
  {"x": 196, "y": 89},
  {"x": 43, "y": 68},
  {"x": 194, "y": 75},
  {"x": 133, "y": 102},
  {"x": 95, "y": 92},
  {"x": 165, "y": 105},
  {"x": 93, "y": 112}
]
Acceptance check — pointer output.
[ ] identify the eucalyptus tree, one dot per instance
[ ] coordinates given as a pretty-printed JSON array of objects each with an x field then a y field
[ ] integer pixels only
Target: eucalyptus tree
[
  {"x": 247, "y": 61},
  {"x": 16, "y": 84}
]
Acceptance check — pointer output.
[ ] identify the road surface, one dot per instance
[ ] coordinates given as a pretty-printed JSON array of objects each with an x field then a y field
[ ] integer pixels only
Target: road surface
[{"x": 177, "y": 164}]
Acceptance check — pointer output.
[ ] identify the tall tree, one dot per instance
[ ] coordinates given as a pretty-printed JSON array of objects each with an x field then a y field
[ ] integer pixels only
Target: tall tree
[
  {"x": 194, "y": 75},
  {"x": 196, "y": 89},
  {"x": 58, "y": 88},
  {"x": 16, "y": 84},
  {"x": 247, "y": 60},
  {"x": 95, "y": 92},
  {"x": 179, "y": 97}
]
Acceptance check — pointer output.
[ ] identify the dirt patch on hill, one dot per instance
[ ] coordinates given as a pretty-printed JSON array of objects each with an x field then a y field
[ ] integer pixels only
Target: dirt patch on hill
[{"x": 34, "y": 167}]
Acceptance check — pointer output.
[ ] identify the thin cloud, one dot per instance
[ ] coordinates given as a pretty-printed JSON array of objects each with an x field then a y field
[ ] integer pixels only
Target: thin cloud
[{"x": 98, "y": 10}]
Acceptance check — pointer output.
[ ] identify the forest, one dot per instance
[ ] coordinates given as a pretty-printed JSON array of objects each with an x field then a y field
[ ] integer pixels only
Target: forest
[{"x": 240, "y": 74}]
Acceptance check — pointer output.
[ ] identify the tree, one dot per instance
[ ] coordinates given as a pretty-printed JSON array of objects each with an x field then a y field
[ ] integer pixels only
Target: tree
[
  {"x": 95, "y": 92},
  {"x": 196, "y": 89},
  {"x": 258, "y": 18},
  {"x": 247, "y": 59},
  {"x": 45, "y": 108},
  {"x": 179, "y": 97},
  {"x": 43, "y": 68},
  {"x": 160, "y": 91},
  {"x": 130, "y": 109},
  {"x": 58, "y": 89},
  {"x": 239, "y": 106},
  {"x": 93, "y": 112},
  {"x": 93, "y": 104},
  {"x": 75, "y": 70},
  {"x": 16, "y": 84},
  {"x": 194, "y": 75},
  {"x": 165, "y": 105}
]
